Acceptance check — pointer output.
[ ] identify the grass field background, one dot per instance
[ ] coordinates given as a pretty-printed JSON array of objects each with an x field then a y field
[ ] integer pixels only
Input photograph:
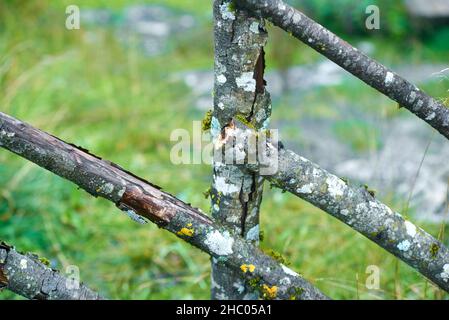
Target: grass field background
[{"x": 122, "y": 106}]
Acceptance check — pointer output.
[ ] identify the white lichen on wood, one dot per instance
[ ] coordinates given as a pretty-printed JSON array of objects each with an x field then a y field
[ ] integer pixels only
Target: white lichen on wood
[
  {"x": 246, "y": 82},
  {"x": 221, "y": 79},
  {"x": 254, "y": 27},
  {"x": 305, "y": 188},
  {"x": 411, "y": 228},
  {"x": 445, "y": 274},
  {"x": 219, "y": 243},
  {"x": 23, "y": 264},
  {"x": 289, "y": 271},
  {"x": 404, "y": 245},
  {"x": 253, "y": 233},
  {"x": 215, "y": 128},
  {"x": 225, "y": 11},
  {"x": 389, "y": 78},
  {"x": 336, "y": 186},
  {"x": 108, "y": 188},
  {"x": 7, "y": 134},
  {"x": 221, "y": 185}
]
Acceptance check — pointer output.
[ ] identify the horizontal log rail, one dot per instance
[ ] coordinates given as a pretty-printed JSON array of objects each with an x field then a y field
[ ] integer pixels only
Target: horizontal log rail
[
  {"x": 352, "y": 60},
  {"x": 142, "y": 200},
  {"x": 28, "y": 276}
]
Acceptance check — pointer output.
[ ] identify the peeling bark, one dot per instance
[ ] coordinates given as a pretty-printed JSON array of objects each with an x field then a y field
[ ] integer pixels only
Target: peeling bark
[
  {"x": 239, "y": 93},
  {"x": 27, "y": 276},
  {"x": 140, "y": 198},
  {"x": 359, "y": 209},
  {"x": 351, "y": 59}
]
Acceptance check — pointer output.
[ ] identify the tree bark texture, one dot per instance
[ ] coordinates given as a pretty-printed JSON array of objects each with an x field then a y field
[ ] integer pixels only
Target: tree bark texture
[
  {"x": 240, "y": 100},
  {"x": 351, "y": 59},
  {"x": 27, "y": 276},
  {"x": 358, "y": 208},
  {"x": 142, "y": 200}
]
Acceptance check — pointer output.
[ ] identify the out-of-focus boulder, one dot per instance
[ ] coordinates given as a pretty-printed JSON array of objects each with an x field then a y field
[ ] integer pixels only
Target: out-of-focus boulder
[{"x": 429, "y": 9}]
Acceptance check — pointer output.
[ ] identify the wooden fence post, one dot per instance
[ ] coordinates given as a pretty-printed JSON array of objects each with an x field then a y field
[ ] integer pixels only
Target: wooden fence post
[{"x": 240, "y": 102}]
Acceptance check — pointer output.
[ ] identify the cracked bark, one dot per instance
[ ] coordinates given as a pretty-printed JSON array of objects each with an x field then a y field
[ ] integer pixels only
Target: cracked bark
[
  {"x": 142, "y": 200},
  {"x": 360, "y": 210},
  {"x": 349, "y": 58},
  {"x": 27, "y": 276},
  {"x": 239, "y": 93}
]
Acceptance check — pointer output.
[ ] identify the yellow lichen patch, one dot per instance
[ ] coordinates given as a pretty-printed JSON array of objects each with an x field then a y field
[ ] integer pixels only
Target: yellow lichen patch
[
  {"x": 206, "y": 122},
  {"x": 247, "y": 267},
  {"x": 186, "y": 231},
  {"x": 45, "y": 261},
  {"x": 269, "y": 293},
  {"x": 245, "y": 121}
]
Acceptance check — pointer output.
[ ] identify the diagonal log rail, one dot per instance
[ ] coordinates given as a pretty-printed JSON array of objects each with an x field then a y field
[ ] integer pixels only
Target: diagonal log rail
[
  {"x": 359, "y": 209},
  {"x": 351, "y": 59},
  {"x": 26, "y": 275},
  {"x": 142, "y": 200}
]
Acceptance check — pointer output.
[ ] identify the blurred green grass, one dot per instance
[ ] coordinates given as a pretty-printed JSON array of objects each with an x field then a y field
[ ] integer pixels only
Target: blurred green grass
[{"x": 123, "y": 106}]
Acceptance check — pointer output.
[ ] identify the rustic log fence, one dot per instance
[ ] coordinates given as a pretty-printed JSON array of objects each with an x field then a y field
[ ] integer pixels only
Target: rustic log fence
[
  {"x": 240, "y": 270},
  {"x": 31, "y": 277}
]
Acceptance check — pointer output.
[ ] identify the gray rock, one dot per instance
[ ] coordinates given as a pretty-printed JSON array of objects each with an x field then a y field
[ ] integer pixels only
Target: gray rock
[
  {"x": 428, "y": 8},
  {"x": 96, "y": 16},
  {"x": 396, "y": 168}
]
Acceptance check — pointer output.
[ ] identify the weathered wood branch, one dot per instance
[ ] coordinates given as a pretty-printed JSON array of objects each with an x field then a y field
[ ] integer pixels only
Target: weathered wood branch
[
  {"x": 358, "y": 208},
  {"x": 142, "y": 200},
  {"x": 29, "y": 277},
  {"x": 239, "y": 92},
  {"x": 351, "y": 59}
]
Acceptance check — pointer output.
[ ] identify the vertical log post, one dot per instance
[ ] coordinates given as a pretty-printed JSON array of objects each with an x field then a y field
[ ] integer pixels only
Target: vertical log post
[{"x": 240, "y": 103}]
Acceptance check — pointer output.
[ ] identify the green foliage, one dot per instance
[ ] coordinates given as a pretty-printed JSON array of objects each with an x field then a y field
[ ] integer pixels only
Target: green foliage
[
  {"x": 278, "y": 257},
  {"x": 119, "y": 104},
  {"x": 439, "y": 40},
  {"x": 207, "y": 193},
  {"x": 360, "y": 135},
  {"x": 348, "y": 16}
]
